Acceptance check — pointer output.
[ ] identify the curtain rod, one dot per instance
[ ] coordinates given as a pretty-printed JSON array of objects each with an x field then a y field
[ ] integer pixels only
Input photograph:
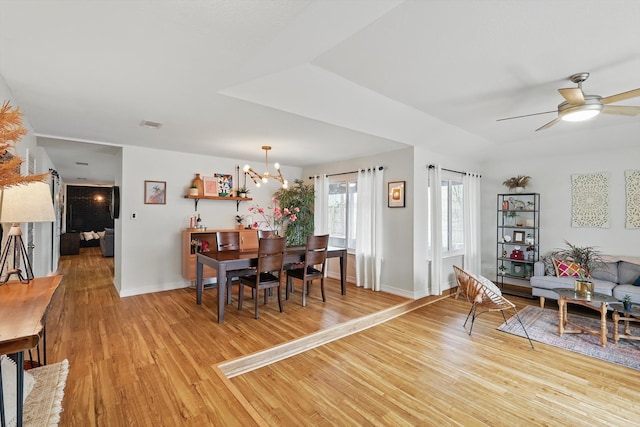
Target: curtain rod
[
  {"x": 451, "y": 170},
  {"x": 346, "y": 173}
]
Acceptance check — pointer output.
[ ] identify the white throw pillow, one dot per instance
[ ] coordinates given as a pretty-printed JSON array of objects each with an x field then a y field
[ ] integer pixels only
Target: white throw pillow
[
  {"x": 101, "y": 234},
  {"x": 96, "y": 235},
  {"x": 88, "y": 235},
  {"x": 9, "y": 388},
  {"x": 489, "y": 285}
]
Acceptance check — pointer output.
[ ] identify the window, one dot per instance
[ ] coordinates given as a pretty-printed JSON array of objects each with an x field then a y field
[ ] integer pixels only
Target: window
[
  {"x": 452, "y": 191},
  {"x": 452, "y": 212},
  {"x": 343, "y": 195}
]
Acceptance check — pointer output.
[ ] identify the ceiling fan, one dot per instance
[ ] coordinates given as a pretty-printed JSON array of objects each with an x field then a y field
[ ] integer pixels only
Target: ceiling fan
[{"x": 578, "y": 107}]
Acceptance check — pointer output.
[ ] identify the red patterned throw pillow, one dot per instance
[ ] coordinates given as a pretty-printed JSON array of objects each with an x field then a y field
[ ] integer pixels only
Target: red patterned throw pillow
[{"x": 566, "y": 268}]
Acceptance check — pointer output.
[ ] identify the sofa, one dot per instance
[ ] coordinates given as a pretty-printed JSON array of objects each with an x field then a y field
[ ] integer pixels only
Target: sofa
[
  {"x": 106, "y": 242},
  {"x": 618, "y": 276}
]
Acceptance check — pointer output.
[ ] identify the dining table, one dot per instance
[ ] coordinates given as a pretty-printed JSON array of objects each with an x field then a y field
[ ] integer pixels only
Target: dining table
[{"x": 224, "y": 261}]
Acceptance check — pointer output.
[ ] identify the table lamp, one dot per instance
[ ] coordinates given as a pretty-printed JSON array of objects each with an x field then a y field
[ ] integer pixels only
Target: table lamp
[{"x": 22, "y": 203}]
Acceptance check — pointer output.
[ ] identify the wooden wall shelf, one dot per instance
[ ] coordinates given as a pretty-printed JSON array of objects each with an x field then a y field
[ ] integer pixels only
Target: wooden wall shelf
[{"x": 237, "y": 199}]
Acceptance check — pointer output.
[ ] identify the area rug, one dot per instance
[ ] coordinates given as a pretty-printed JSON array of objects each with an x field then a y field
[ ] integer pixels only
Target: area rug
[
  {"x": 542, "y": 326},
  {"x": 44, "y": 404}
]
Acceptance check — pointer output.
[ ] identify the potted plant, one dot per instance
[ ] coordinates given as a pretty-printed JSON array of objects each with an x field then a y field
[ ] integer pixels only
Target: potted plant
[
  {"x": 502, "y": 269},
  {"x": 239, "y": 220},
  {"x": 193, "y": 190},
  {"x": 517, "y": 183},
  {"x": 626, "y": 302},
  {"x": 588, "y": 259},
  {"x": 243, "y": 191}
]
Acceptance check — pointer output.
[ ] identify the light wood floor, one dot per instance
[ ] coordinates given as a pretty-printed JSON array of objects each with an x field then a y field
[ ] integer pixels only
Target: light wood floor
[{"x": 152, "y": 360}]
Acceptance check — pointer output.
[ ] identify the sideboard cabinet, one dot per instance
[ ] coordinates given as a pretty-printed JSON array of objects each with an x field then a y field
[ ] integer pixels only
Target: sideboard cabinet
[{"x": 196, "y": 240}]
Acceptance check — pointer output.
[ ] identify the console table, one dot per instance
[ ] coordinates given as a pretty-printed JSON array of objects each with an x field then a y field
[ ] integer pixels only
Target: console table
[{"x": 23, "y": 309}]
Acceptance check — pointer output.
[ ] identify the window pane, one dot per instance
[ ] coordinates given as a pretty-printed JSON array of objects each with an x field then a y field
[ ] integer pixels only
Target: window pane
[
  {"x": 445, "y": 215},
  {"x": 353, "y": 203},
  {"x": 457, "y": 211},
  {"x": 337, "y": 214}
]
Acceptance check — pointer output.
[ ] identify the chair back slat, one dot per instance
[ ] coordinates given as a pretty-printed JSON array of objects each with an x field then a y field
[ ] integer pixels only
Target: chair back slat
[
  {"x": 270, "y": 254},
  {"x": 227, "y": 241},
  {"x": 316, "y": 250}
]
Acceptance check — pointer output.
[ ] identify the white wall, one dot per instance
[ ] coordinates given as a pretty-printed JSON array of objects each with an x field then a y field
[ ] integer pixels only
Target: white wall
[
  {"x": 42, "y": 231},
  {"x": 149, "y": 247},
  {"x": 551, "y": 177},
  {"x": 405, "y": 267}
]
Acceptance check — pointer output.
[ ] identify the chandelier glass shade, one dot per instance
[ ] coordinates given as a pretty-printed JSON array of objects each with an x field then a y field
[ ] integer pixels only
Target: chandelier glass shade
[{"x": 258, "y": 178}]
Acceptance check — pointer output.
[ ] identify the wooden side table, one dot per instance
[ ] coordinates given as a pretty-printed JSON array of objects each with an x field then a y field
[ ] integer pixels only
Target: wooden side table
[
  {"x": 632, "y": 315},
  {"x": 23, "y": 308}
]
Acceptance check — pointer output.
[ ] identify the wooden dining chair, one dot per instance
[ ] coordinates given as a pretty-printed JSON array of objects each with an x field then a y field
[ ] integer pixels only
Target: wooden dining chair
[
  {"x": 267, "y": 274},
  {"x": 230, "y": 241},
  {"x": 484, "y": 296},
  {"x": 315, "y": 262},
  {"x": 266, "y": 233}
]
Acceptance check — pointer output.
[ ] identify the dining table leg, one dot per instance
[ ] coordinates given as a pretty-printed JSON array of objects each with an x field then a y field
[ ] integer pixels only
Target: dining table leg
[
  {"x": 343, "y": 273},
  {"x": 199, "y": 282},
  {"x": 222, "y": 288}
]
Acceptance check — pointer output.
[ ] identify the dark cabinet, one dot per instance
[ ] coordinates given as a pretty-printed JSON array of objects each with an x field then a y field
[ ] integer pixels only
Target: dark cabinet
[{"x": 70, "y": 244}]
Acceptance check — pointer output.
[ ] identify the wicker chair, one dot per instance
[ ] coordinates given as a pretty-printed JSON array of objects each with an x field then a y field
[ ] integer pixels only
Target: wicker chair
[{"x": 484, "y": 299}]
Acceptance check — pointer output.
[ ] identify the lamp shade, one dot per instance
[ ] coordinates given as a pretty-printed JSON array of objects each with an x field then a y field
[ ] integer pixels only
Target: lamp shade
[{"x": 27, "y": 203}]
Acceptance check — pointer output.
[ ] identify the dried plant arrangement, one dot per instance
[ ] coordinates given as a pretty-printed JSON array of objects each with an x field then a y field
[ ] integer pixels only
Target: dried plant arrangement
[
  {"x": 517, "y": 181},
  {"x": 11, "y": 130}
]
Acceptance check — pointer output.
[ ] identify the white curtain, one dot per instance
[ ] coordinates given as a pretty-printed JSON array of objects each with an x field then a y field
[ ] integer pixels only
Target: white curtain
[
  {"x": 435, "y": 213},
  {"x": 471, "y": 218},
  {"x": 321, "y": 208},
  {"x": 371, "y": 196}
]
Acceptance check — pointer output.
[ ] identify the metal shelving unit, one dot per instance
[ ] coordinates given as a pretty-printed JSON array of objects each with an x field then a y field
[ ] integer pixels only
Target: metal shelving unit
[{"x": 517, "y": 239}]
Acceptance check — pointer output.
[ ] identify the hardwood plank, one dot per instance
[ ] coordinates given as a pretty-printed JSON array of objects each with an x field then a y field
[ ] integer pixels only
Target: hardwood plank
[{"x": 153, "y": 360}]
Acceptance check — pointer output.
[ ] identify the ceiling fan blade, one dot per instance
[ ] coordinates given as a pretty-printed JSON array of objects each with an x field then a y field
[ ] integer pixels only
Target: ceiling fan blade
[
  {"x": 573, "y": 95},
  {"x": 621, "y": 96},
  {"x": 621, "y": 109},
  {"x": 548, "y": 125},
  {"x": 526, "y": 115}
]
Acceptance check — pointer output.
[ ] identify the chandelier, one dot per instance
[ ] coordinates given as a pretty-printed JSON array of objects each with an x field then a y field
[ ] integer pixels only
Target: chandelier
[{"x": 258, "y": 178}]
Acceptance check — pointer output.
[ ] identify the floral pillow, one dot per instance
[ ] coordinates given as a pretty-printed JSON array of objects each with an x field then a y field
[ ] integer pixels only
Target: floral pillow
[
  {"x": 566, "y": 268},
  {"x": 549, "y": 266}
]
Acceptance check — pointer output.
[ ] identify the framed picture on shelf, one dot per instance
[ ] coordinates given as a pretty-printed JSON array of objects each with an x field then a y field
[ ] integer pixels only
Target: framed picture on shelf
[
  {"x": 225, "y": 184},
  {"x": 396, "y": 196},
  {"x": 155, "y": 192},
  {"x": 518, "y": 236},
  {"x": 210, "y": 184}
]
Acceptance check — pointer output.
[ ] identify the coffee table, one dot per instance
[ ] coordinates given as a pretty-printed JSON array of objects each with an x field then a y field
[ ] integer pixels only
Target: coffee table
[
  {"x": 632, "y": 315},
  {"x": 570, "y": 296}
]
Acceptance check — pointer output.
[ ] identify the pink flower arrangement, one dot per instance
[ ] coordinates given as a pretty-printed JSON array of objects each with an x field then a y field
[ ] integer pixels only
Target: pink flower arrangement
[{"x": 273, "y": 216}]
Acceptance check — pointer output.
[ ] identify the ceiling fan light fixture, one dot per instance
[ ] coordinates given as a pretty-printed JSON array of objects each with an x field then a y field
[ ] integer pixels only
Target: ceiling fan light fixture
[{"x": 578, "y": 113}]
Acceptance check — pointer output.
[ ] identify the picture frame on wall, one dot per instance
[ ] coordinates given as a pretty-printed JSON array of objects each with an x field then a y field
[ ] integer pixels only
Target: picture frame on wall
[
  {"x": 210, "y": 184},
  {"x": 155, "y": 192},
  {"x": 396, "y": 195}
]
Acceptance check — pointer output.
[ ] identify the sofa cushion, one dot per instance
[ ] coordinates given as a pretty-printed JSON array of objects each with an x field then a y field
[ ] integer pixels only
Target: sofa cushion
[
  {"x": 552, "y": 282},
  {"x": 607, "y": 271},
  {"x": 627, "y": 272},
  {"x": 566, "y": 268},
  {"x": 621, "y": 290}
]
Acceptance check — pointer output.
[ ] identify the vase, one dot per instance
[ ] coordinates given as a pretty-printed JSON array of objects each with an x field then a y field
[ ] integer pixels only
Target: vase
[
  {"x": 627, "y": 306},
  {"x": 519, "y": 189},
  {"x": 197, "y": 181},
  {"x": 583, "y": 287}
]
